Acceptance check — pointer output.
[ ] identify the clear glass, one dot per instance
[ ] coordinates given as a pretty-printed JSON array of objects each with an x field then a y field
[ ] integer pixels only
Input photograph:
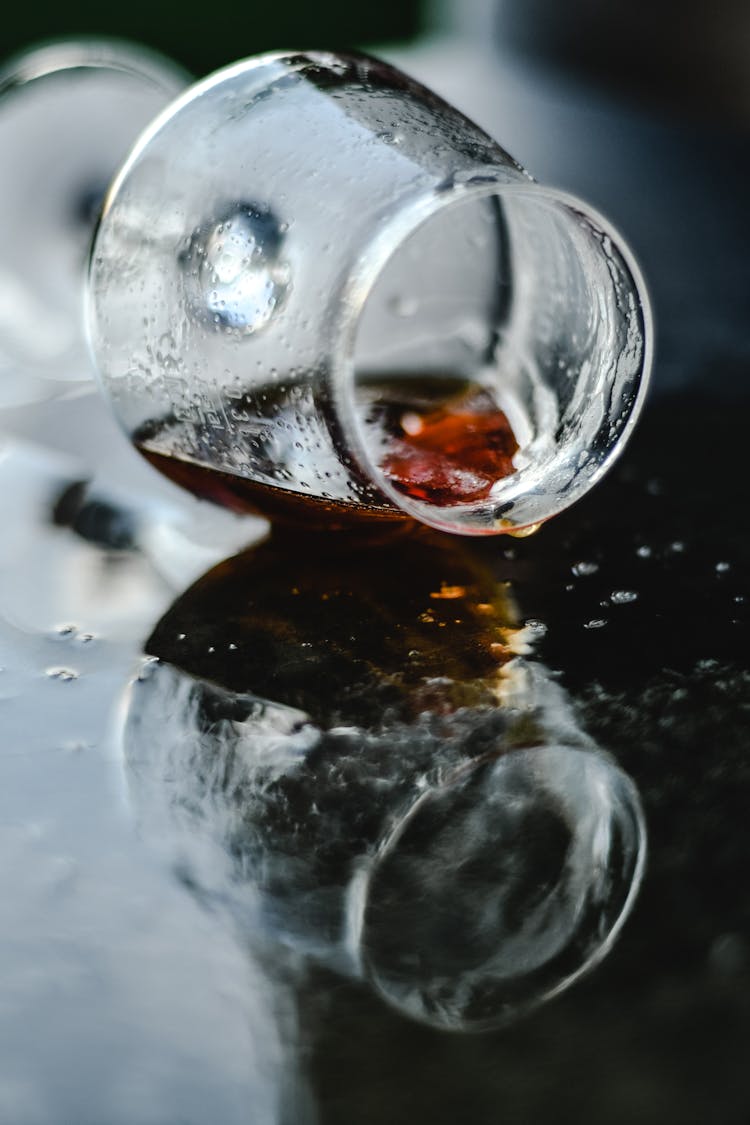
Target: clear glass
[
  {"x": 69, "y": 113},
  {"x": 319, "y": 291}
]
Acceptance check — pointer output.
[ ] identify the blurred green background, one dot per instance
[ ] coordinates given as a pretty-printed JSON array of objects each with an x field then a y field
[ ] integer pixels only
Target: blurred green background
[{"x": 202, "y": 38}]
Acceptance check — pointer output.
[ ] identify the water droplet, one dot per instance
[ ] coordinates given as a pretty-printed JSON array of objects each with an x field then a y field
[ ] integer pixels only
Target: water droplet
[
  {"x": 622, "y": 597},
  {"x": 233, "y": 273},
  {"x": 644, "y": 552},
  {"x": 584, "y": 569},
  {"x": 722, "y": 567},
  {"x": 64, "y": 674},
  {"x": 678, "y": 546},
  {"x": 596, "y": 623},
  {"x": 524, "y": 532},
  {"x": 537, "y": 627}
]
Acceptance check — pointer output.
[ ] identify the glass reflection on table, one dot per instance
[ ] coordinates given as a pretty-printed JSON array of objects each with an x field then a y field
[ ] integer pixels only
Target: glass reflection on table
[{"x": 350, "y": 730}]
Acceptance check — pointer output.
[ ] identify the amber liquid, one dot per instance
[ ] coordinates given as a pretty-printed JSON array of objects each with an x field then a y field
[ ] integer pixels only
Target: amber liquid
[
  {"x": 442, "y": 440},
  {"x": 444, "y": 448},
  {"x": 244, "y": 496}
]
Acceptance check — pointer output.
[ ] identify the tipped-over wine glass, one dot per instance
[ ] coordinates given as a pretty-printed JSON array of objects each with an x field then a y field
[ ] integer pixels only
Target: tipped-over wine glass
[{"x": 320, "y": 292}]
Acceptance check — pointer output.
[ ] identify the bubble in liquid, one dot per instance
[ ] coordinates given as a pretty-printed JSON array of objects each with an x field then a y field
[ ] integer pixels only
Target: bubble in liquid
[{"x": 233, "y": 271}]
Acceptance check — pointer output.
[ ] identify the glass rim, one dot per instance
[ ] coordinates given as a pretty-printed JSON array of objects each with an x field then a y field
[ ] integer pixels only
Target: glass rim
[
  {"x": 481, "y": 182},
  {"x": 49, "y": 57},
  {"x": 358, "y": 895}
]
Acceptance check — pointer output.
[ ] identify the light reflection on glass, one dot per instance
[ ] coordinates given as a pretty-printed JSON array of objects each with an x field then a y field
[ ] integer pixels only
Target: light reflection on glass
[{"x": 234, "y": 275}]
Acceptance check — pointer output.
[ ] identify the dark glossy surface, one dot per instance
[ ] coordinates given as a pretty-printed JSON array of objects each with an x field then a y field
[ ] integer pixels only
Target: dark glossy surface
[
  {"x": 659, "y": 1031},
  {"x": 236, "y": 884},
  {"x": 216, "y": 940}
]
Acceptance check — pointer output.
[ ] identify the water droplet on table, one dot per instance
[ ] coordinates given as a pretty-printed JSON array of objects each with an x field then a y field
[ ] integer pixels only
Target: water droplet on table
[
  {"x": 623, "y": 597},
  {"x": 584, "y": 568},
  {"x": 64, "y": 674}
]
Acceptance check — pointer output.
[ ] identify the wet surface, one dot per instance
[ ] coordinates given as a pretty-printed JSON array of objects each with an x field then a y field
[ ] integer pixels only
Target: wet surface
[
  {"x": 658, "y": 1032},
  {"x": 266, "y": 834},
  {"x": 278, "y": 831}
]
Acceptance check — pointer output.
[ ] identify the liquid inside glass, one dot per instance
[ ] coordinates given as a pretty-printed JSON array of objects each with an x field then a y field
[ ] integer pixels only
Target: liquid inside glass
[{"x": 439, "y": 438}]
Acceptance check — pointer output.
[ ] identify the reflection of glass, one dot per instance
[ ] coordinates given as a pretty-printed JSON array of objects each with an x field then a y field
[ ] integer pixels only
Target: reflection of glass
[
  {"x": 356, "y": 736},
  {"x": 314, "y": 281},
  {"x": 69, "y": 112},
  {"x": 498, "y": 889}
]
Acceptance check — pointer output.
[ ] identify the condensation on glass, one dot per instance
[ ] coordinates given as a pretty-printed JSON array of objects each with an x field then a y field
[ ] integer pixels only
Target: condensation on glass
[{"x": 304, "y": 245}]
